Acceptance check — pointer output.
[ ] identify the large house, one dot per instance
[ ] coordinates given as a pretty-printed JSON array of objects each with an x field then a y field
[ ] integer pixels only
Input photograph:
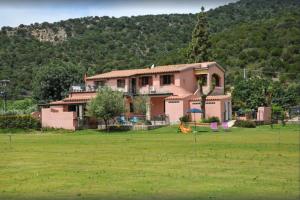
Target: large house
[{"x": 172, "y": 91}]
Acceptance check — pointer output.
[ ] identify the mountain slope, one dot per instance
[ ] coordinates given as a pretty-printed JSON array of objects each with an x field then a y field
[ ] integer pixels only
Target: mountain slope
[{"x": 261, "y": 35}]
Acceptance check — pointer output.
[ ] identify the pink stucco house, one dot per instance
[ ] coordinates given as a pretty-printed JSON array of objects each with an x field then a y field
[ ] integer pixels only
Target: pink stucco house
[{"x": 172, "y": 89}]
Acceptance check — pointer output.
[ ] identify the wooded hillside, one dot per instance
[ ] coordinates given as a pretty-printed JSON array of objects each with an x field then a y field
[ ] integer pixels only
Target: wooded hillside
[{"x": 262, "y": 36}]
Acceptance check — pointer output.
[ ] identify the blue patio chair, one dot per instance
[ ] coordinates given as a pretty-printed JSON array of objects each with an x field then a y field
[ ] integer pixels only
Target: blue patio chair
[
  {"x": 134, "y": 120},
  {"x": 121, "y": 120}
]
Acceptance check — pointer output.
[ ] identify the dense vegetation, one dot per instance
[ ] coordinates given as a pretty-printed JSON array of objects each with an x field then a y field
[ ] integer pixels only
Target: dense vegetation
[
  {"x": 255, "y": 92},
  {"x": 18, "y": 107},
  {"x": 262, "y": 36}
]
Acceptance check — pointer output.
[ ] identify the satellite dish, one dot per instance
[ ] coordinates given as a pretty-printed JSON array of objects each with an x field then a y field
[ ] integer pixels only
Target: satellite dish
[{"x": 152, "y": 66}]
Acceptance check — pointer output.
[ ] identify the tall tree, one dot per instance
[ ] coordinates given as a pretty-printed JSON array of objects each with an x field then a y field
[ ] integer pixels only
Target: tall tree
[
  {"x": 53, "y": 81},
  {"x": 198, "y": 50}
]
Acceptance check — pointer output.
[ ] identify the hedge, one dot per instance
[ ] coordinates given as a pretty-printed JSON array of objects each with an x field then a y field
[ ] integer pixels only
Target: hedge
[
  {"x": 210, "y": 120},
  {"x": 245, "y": 123},
  {"x": 19, "y": 121}
]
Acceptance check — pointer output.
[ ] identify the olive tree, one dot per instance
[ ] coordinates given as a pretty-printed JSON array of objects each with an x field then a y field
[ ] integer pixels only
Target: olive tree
[{"x": 107, "y": 105}]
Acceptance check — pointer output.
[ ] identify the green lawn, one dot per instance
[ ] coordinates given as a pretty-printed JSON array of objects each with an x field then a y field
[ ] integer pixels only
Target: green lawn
[{"x": 261, "y": 163}]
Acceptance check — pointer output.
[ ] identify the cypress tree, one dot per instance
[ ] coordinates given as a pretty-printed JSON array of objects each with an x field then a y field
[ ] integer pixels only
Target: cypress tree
[{"x": 198, "y": 50}]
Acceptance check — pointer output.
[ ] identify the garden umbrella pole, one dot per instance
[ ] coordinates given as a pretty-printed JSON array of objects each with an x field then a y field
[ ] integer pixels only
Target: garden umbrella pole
[{"x": 194, "y": 110}]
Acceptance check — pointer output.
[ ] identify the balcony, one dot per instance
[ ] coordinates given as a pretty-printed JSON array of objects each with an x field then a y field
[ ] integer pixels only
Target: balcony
[
  {"x": 129, "y": 91},
  {"x": 153, "y": 90},
  {"x": 90, "y": 88},
  {"x": 82, "y": 88}
]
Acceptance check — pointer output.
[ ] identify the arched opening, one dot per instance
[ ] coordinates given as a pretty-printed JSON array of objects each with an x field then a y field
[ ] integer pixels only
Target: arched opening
[{"x": 216, "y": 80}]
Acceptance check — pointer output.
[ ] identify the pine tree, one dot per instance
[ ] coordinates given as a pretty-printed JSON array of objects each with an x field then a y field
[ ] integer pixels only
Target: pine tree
[{"x": 198, "y": 50}]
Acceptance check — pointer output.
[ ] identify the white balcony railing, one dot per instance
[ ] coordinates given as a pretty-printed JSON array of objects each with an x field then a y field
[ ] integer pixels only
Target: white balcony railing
[{"x": 153, "y": 90}]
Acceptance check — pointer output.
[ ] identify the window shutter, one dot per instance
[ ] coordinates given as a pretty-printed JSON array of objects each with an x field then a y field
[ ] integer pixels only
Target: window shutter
[
  {"x": 161, "y": 77},
  {"x": 140, "y": 81}
]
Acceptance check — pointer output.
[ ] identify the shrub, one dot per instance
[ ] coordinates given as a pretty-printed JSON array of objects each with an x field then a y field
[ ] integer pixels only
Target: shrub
[
  {"x": 210, "y": 120},
  {"x": 214, "y": 119},
  {"x": 19, "y": 107},
  {"x": 28, "y": 111},
  {"x": 184, "y": 118},
  {"x": 19, "y": 121},
  {"x": 148, "y": 122},
  {"x": 120, "y": 128},
  {"x": 245, "y": 123},
  {"x": 10, "y": 112}
]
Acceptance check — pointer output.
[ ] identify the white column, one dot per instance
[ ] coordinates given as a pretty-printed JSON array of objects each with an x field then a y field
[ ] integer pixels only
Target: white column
[
  {"x": 148, "y": 112},
  {"x": 80, "y": 112},
  {"x": 209, "y": 83},
  {"x": 230, "y": 110}
]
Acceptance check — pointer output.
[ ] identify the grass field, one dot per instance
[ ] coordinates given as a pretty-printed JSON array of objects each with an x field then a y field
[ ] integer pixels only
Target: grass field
[{"x": 261, "y": 163}]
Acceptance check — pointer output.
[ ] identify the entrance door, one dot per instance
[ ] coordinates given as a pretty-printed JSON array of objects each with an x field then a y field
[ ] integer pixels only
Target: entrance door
[{"x": 133, "y": 85}]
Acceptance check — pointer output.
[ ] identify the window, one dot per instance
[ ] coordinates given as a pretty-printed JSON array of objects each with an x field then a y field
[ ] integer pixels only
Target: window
[
  {"x": 166, "y": 79},
  {"x": 72, "y": 108},
  {"x": 203, "y": 78},
  {"x": 145, "y": 80},
  {"x": 216, "y": 80},
  {"x": 121, "y": 83},
  {"x": 99, "y": 83}
]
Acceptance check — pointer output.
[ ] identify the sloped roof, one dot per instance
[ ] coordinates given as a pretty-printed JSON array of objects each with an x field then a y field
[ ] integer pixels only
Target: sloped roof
[
  {"x": 86, "y": 97},
  {"x": 67, "y": 102},
  {"x": 174, "y": 97},
  {"x": 156, "y": 69},
  {"x": 196, "y": 98},
  {"x": 212, "y": 98},
  {"x": 75, "y": 99}
]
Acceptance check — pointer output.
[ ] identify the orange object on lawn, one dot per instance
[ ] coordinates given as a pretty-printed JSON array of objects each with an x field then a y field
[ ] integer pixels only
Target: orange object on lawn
[{"x": 184, "y": 130}]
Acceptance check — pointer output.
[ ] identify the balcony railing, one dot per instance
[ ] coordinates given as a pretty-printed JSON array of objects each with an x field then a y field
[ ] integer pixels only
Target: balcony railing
[
  {"x": 153, "y": 90},
  {"x": 89, "y": 88},
  {"x": 83, "y": 88}
]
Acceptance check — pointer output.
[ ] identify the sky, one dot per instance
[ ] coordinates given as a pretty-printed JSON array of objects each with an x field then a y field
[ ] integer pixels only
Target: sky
[{"x": 16, "y": 12}]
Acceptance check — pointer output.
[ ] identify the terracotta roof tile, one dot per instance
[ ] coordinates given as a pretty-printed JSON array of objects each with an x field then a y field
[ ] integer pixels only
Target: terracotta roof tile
[
  {"x": 212, "y": 98},
  {"x": 177, "y": 97},
  {"x": 196, "y": 98},
  {"x": 156, "y": 69},
  {"x": 67, "y": 102},
  {"x": 80, "y": 98},
  {"x": 75, "y": 99}
]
